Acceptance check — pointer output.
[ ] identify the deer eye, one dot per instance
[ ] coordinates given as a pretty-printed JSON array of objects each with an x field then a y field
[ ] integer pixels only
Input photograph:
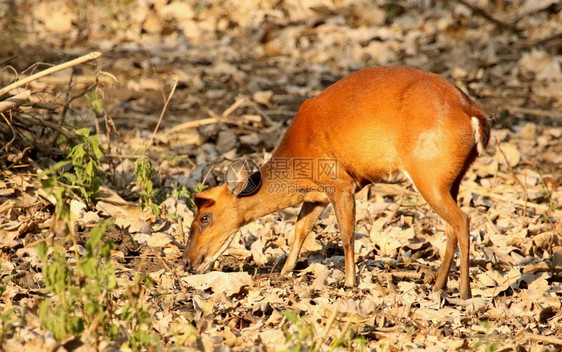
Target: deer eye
[{"x": 205, "y": 219}]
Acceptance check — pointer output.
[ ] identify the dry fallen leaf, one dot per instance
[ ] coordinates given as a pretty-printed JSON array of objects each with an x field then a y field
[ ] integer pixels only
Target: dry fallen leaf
[
  {"x": 219, "y": 282},
  {"x": 512, "y": 154},
  {"x": 542, "y": 64},
  {"x": 158, "y": 239},
  {"x": 257, "y": 252},
  {"x": 263, "y": 97},
  {"x": 55, "y": 16}
]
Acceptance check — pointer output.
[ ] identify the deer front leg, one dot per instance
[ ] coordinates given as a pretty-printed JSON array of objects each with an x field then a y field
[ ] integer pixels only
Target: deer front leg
[
  {"x": 344, "y": 207},
  {"x": 310, "y": 211}
]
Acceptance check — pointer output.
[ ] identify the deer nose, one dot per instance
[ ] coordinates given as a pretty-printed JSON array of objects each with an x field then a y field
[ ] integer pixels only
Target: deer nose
[{"x": 186, "y": 261}]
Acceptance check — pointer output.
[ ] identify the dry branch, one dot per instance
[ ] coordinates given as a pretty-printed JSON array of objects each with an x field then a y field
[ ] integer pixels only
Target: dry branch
[
  {"x": 489, "y": 17},
  {"x": 15, "y": 101},
  {"x": 486, "y": 192},
  {"x": 401, "y": 275},
  {"x": 163, "y": 111},
  {"x": 546, "y": 339},
  {"x": 535, "y": 112},
  {"x": 77, "y": 61},
  {"x": 103, "y": 77},
  {"x": 194, "y": 124},
  {"x": 238, "y": 103}
]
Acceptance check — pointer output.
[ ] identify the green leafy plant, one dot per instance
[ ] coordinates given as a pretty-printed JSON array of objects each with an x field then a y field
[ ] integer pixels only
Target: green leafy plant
[
  {"x": 145, "y": 173},
  {"x": 173, "y": 160},
  {"x": 10, "y": 317},
  {"x": 96, "y": 103},
  {"x": 137, "y": 316},
  {"x": 198, "y": 188},
  {"x": 546, "y": 194},
  {"x": 3, "y": 279},
  {"x": 485, "y": 338},
  {"x": 181, "y": 192},
  {"x": 303, "y": 335},
  {"x": 83, "y": 295},
  {"x": 79, "y": 175},
  {"x": 79, "y": 289},
  {"x": 85, "y": 158},
  {"x": 150, "y": 197}
]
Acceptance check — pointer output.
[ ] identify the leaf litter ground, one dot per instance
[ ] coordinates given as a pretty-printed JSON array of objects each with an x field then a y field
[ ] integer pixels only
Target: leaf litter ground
[{"x": 256, "y": 71}]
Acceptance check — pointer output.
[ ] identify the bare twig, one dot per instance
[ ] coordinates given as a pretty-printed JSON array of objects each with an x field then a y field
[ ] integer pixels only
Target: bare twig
[
  {"x": 109, "y": 123},
  {"x": 11, "y": 128},
  {"x": 486, "y": 192},
  {"x": 44, "y": 106},
  {"x": 402, "y": 275},
  {"x": 546, "y": 339},
  {"x": 194, "y": 124},
  {"x": 7, "y": 59},
  {"x": 122, "y": 156},
  {"x": 178, "y": 244},
  {"x": 262, "y": 113},
  {"x": 48, "y": 124},
  {"x": 66, "y": 103},
  {"x": 181, "y": 235},
  {"x": 163, "y": 111},
  {"x": 15, "y": 101},
  {"x": 9, "y": 68},
  {"x": 184, "y": 80},
  {"x": 523, "y": 185},
  {"x": 535, "y": 112},
  {"x": 77, "y": 61},
  {"x": 394, "y": 212},
  {"x": 102, "y": 77},
  {"x": 238, "y": 103},
  {"x": 486, "y": 15}
]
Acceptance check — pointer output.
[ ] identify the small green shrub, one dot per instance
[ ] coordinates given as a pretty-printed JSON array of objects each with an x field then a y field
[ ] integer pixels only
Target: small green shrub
[
  {"x": 79, "y": 290},
  {"x": 485, "y": 338},
  {"x": 307, "y": 336},
  {"x": 145, "y": 173},
  {"x": 10, "y": 317},
  {"x": 83, "y": 294},
  {"x": 77, "y": 176}
]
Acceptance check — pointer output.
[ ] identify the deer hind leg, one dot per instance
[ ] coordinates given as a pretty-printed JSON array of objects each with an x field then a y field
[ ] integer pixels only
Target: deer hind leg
[
  {"x": 308, "y": 215},
  {"x": 441, "y": 281},
  {"x": 441, "y": 197}
]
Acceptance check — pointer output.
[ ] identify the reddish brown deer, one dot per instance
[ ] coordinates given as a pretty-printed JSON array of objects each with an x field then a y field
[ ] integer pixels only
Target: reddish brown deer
[{"x": 382, "y": 124}]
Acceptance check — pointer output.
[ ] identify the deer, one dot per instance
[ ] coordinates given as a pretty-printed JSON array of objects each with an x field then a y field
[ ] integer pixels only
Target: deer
[{"x": 385, "y": 124}]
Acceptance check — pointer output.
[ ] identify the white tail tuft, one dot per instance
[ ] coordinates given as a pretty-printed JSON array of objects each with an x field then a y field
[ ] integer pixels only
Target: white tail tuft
[{"x": 477, "y": 135}]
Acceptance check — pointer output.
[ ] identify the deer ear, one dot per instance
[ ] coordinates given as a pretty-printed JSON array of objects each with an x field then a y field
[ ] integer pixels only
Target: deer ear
[
  {"x": 207, "y": 197},
  {"x": 201, "y": 200},
  {"x": 243, "y": 177}
]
